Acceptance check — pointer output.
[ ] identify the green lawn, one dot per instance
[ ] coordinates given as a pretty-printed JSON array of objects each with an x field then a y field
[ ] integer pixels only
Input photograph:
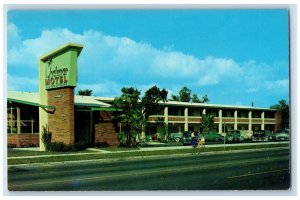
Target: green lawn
[
  {"x": 17, "y": 153},
  {"x": 121, "y": 155}
]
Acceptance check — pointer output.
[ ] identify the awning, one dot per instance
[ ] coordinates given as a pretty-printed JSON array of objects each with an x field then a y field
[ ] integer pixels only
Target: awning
[{"x": 30, "y": 103}]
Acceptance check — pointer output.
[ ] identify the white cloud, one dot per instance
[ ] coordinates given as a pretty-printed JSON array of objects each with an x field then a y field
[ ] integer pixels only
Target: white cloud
[
  {"x": 108, "y": 63},
  {"x": 106, "y": 88},
  {"x": 278, "y": 84},
  {"x": 16, "y": 83}
]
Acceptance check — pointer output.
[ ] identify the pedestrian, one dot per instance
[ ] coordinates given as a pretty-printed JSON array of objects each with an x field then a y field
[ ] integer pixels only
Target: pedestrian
[
  {"x": 201, "y": 142},
  {"x": 193, "y": 141}
]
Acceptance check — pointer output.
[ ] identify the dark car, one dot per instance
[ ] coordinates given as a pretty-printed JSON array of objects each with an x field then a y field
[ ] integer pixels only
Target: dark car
[
  {"x": 234, "y": 136},
  {"x": 282, "y": 135},
  {"x": 177, "y": 137},
  {"x": 262, "y": 136}
]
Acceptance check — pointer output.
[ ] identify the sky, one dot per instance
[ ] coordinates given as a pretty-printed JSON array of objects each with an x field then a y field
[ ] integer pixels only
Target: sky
[{"x": 235, "y": 57}]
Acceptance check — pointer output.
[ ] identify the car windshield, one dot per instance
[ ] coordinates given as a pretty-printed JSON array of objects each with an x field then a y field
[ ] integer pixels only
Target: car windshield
[
  {"x": 258, "y": 133},
  {"x": 187, "y": 134}
]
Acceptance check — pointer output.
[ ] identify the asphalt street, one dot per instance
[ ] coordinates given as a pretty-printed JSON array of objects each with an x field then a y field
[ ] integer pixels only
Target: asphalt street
[{"x": 247, "y": 170}]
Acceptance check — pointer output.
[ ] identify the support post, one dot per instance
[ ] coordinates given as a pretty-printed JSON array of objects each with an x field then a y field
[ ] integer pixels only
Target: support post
[
  {"x": 186, "y": 124},
  {"x": 18, "y": 120},
  {"x": 220, "y": 121},
  {"x": 235, "y": 120},
  {"x": 250, "y": 121}
]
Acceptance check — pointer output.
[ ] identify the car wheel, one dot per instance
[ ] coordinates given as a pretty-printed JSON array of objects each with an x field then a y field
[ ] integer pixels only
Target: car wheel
[
  {"x": 177, "y": 139},
  {"x": 242, "y": 139}
]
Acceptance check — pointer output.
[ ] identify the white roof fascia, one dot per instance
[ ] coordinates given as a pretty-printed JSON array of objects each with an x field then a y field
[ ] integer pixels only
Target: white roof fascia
[{"x": 34, "y": 98}]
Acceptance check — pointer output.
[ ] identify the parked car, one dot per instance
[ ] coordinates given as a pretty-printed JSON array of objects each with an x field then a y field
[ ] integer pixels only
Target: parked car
[
  {"x": 187, "y": 137},
  {"x": 234, "y": 136},
  {"x": 209, "y": 136},
  {"x": 282, "y": 136},
  {"x": 213, "y": 136},
  {"x": 247, "y": 134},
  {"x": 262, "y": 135},
  {"x": 177, "y": 137}
]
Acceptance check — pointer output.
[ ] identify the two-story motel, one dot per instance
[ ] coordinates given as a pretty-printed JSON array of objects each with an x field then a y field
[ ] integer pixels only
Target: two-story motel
[
  {"x": 93, "y": 122},
  {"x": 71, "y": 118}
]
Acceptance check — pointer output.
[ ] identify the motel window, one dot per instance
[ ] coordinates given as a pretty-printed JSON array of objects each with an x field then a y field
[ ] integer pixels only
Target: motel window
[
  {"x": 28, "y": 118},
  {"x": 173, "y": 111},
  {"x": 269, "y": 114},
  {"x": 228, "y": 113},
  {"x": 242, "y": 114},
  {"x": 176, "y": 111},
  {"x": 191, "y": 112},
  {"x": 212, "y": 112},
  {"x": 256, "y": 114}
]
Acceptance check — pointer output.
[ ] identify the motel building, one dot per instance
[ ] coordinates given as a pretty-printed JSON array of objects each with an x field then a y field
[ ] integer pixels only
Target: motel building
[{"x": 72, "y": 118}]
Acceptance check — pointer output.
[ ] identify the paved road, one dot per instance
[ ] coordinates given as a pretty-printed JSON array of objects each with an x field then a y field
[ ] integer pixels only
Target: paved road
[{"x": 263, "y": 170}]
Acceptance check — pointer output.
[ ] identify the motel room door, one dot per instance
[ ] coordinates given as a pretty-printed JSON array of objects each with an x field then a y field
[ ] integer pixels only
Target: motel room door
[{"x": 84, "y": 127}]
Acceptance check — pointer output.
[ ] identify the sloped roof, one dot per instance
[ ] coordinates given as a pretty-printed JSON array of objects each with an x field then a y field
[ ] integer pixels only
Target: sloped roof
[
  {"x": 81, "y": 100},
  {"x": 33, "y": 99},
  {"x": 208, "y": 105},
  {"x": 90, "y": 101}
]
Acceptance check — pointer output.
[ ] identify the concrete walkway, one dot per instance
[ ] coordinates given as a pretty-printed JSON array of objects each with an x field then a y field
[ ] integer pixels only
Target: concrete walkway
[{"x": 142, "y": 149}]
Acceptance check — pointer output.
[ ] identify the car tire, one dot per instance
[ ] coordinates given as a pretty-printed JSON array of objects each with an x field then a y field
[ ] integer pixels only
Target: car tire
[
  {"x": 177, "y": 139},
  {"x": 242, "y": 139}
]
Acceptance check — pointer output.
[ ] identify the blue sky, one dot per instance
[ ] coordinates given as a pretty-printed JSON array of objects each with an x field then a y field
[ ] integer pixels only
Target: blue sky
[{"x": 233, "y": 56}]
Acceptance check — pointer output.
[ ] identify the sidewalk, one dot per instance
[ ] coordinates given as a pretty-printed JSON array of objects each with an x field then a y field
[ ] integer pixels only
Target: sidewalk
[{"x": 142, "y": 149}]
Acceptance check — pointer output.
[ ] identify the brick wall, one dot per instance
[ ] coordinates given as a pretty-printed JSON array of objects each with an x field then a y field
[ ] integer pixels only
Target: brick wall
[
  {"x": 106, "y": 131},
  {"x": 23, "y": 140},
  {"x": 61, "y": 121},
  {"x": 278, "y": 120}
]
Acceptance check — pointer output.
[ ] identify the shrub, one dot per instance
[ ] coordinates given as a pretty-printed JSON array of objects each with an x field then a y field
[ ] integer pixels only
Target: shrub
[
  {"x": 101, "y": 145},
  {"x": 11, "y": 145},
  {"x": 57, "y": 146},
  {"x": 46, "y": 137},
  {"x": 60, "y": 146},
  {"x": 79, "y": 146}
]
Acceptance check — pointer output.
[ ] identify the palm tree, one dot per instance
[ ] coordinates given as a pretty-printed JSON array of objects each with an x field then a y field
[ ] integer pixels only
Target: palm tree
[
  {"x": 85, "y": 92},
  {"x": 207, "y": 123},
  {"x": 284, "y": 107}
]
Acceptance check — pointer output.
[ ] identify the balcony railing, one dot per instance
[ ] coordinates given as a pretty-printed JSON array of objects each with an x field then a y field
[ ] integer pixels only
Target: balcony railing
[
  {"x": 198, "y": 119},
  {"x": 176, "y": 118}
]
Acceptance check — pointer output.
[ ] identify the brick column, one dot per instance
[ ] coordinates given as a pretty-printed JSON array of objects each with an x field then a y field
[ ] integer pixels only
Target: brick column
[
  {"x": 61, "y": 121},
  {"x": 278, "y": 120}
]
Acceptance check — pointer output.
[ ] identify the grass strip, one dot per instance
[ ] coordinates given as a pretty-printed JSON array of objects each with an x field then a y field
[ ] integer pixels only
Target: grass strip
[
  {"x": 19, "y": 153},
  {"x": 137, "y": 154}
]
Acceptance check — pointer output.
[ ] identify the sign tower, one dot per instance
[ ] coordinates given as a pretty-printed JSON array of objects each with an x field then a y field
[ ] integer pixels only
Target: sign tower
[{"x": 57, "y": 80}]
